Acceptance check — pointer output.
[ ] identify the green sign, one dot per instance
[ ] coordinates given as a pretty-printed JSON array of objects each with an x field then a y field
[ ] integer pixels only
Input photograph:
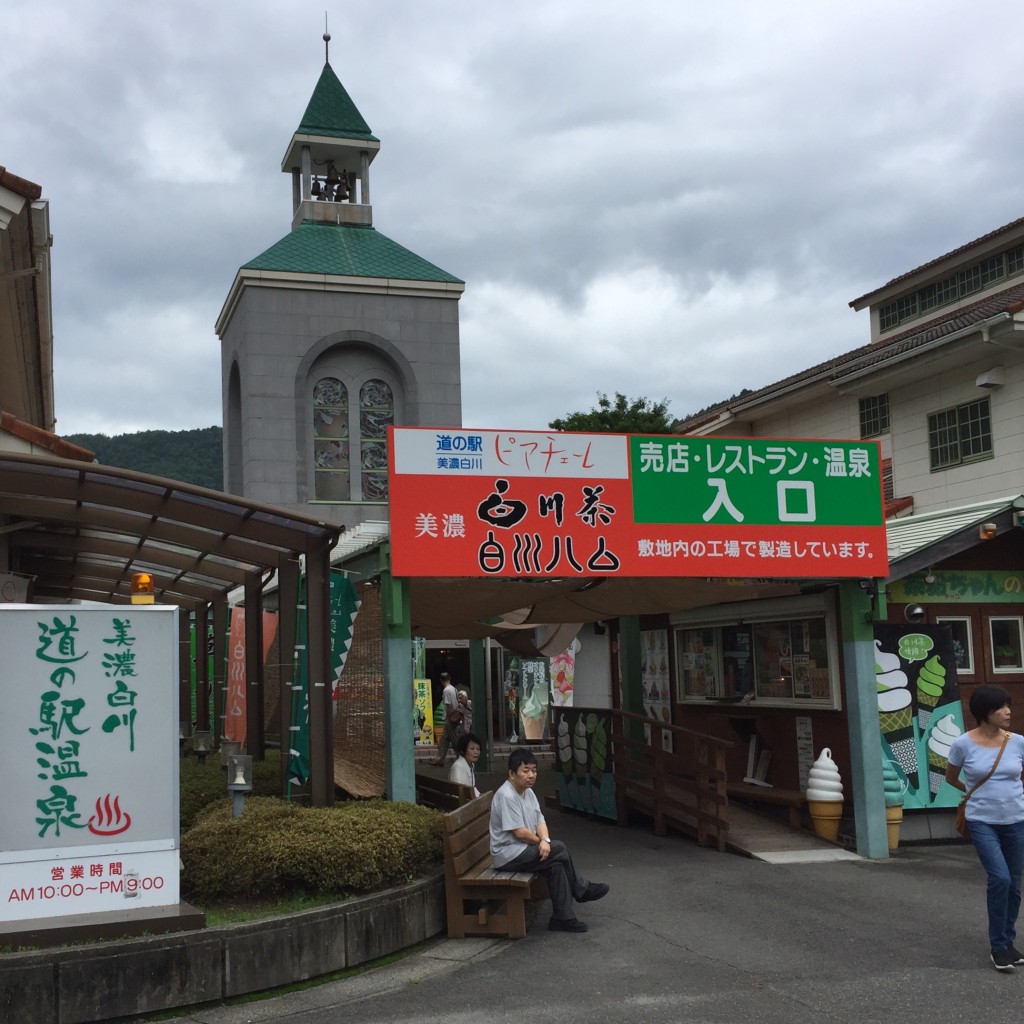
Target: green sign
[
  {"x": 966, "y": 586},
  {"x": 759, "y": 482}
]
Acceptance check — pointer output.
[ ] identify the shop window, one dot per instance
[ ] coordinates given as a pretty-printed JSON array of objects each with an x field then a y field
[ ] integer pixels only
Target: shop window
[
  {"x": 697, "y": 656},
  {"x": 778, "y": 660},
  {"x": 963, "y": 645},
  {"x": 1005, "y": 639}
]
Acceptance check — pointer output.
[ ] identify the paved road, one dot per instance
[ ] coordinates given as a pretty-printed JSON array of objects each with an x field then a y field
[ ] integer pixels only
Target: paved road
[{"x": 688, "y": 934}]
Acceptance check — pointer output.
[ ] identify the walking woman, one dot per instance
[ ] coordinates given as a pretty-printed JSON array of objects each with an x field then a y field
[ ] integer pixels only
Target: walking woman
[{"x": 995, "y": 812}]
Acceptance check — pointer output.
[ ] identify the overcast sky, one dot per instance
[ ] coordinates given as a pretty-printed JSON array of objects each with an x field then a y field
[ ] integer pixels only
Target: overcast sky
[{"x": 672, "y": 199}]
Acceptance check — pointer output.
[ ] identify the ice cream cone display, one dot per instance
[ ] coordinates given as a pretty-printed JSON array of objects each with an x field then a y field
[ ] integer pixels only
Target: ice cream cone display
[
  {"x": 895, "y": 713},
  {"x": 893, "y": 788},
  {"x": 825, "y": 796},
  {"x": 931, "y": 681},
  {"x": 893, "y": 820},
  {"x": 943, "y": 733}
]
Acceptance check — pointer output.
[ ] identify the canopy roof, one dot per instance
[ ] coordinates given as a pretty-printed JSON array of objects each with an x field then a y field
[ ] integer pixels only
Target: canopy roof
[
  {"x": 81, "y": 530},
  {"x": 498, "y": 608}
]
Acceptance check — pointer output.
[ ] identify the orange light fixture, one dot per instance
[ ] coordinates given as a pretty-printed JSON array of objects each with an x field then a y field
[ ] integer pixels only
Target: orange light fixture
[{"x": 142, "y": 588}]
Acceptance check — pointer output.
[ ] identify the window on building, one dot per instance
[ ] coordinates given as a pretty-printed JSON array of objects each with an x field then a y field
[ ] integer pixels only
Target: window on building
[
  {"x": 969, "y": 281},
  {"x": 984, "y": 274},
  {"x": 993, "y": 269},
  {"x": 961, "y": 434},
  {"x": 874, "y": 415},
  {"x": 778, "y": 660},
  {"x": 1006, "y": 641},
  {"x": 376, "y": 414},
  {"x": 963, "y": 645},
  {"x": 330, "y": 440}
]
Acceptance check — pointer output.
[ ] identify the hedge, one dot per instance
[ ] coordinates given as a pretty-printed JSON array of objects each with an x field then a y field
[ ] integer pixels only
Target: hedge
[{"x": 277, "y": 848}]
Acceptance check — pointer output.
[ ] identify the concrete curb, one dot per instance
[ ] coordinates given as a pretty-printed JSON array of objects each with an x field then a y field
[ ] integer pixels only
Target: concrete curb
[{"x": 107, "y": 980}]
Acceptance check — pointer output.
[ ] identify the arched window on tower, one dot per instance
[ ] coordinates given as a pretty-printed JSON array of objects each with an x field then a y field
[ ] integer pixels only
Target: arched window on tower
[
  {"x": 331, "y": 440},
  {"x": 376, "y": 414}
]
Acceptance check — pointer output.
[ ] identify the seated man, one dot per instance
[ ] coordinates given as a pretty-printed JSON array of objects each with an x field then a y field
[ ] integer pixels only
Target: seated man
[
  {"x": 462, "y": 770},
  {"x": 520, "y": 842}
]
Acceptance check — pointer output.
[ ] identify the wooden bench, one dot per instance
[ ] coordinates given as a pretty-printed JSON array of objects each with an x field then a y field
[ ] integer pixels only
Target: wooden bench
[
  {"x": 440, "y": 793},
  {"x": 791, "y": 798},
  {"x": 497, "y": 899}
]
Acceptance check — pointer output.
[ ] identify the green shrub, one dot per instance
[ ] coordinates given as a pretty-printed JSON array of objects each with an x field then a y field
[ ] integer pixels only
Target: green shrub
[{"x": 277, "y": 848}]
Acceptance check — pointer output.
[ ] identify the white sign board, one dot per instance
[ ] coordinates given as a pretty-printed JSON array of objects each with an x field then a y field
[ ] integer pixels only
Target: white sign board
[{"x": 89, "y": 759}]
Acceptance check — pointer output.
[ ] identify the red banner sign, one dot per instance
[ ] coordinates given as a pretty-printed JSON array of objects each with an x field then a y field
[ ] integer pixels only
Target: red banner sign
[{"x": 529, "y": 504}]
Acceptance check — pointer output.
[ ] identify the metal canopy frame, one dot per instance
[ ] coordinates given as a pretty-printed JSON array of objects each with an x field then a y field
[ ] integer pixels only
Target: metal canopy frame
[{"x": 80, "y": 530}]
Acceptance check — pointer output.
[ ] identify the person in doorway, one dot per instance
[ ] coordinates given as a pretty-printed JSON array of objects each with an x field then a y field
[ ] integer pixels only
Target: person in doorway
[
  {"x": 452, "y": 720},
  {"x": 987, "y": 762},
  {"x": 466, "y": 707},
  {"x": 520, "y": 842},
  {"x": 463, "y": 769}
]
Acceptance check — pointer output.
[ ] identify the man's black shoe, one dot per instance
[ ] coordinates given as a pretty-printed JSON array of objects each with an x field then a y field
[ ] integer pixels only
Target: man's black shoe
[
  {"x": 595, "y": 891},
  {"x": 1018, "y": 956},
  {"x": 569, "y": 924}
]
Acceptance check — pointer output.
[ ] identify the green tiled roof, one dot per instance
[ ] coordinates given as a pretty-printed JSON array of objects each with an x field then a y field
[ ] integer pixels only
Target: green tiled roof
[
  {"x": 349, "y": 250},
  {"x": 331, "y": 112}
]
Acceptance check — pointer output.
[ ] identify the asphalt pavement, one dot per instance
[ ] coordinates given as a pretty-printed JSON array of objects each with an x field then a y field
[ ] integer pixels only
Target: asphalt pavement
[{"x": 689, "y": 934}]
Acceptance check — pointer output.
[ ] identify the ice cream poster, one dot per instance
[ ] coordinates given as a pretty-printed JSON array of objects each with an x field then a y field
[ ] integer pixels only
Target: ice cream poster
[
  {"x": 533, "y": 699},
  {"x": 583, "y": 760},
  {"x": 919, "y": 710},
  {"x": 563, "y": 672}
]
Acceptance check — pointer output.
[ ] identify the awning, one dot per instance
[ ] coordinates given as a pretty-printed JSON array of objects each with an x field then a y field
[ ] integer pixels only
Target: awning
[
  {"x": 80, "y": 530},
  {"x": 919, "y": 541},
  {"x": 468, "y": 608}
]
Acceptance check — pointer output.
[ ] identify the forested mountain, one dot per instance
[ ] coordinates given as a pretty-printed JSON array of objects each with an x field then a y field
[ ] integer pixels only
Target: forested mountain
[{"x": 190, "y": 455}]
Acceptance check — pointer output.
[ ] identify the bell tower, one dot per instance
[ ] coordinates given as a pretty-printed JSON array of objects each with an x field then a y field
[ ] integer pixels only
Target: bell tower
[
  {"x": 333, "y": 334},
  {"x": 329, "y": 156}
]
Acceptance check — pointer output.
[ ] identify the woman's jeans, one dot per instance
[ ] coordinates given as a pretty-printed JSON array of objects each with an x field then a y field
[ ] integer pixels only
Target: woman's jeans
[{"x": 1001, "y": 852}]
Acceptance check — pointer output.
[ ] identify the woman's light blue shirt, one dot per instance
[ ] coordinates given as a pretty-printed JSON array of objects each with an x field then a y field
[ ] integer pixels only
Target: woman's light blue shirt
[{"x": 1000, "y": 801}]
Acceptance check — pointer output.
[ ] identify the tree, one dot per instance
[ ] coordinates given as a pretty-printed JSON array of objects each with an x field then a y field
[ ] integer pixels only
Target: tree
[{"x": 624, "y": 416}]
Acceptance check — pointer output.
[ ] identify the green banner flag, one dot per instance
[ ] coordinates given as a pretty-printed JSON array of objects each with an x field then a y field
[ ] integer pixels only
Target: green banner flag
[{"x": 344, "y": 606}]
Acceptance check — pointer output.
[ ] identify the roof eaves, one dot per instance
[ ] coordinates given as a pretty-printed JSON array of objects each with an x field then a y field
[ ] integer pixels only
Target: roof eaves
[
  {"x": 863, "y": 300},
  {"x": 22, "y": 186}
]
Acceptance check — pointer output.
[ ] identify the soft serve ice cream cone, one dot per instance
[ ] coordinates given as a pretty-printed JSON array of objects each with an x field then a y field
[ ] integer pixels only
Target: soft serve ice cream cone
[
  {"x": 893, "y": 790},
  {"x": 944, "y": 732},
  {"x": 534, "y": 713},
  {"x": 931, "y": 681},
  {"x": 895, "y": 714},
  {"x": 825, "y": 796}
]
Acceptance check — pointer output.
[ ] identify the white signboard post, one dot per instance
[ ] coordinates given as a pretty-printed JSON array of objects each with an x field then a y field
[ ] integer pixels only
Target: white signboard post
[{"x": 89, "y": 760}]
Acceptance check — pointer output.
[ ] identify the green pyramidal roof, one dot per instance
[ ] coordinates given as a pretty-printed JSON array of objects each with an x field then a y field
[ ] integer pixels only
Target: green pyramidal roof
[
  {"x": 347, "y": 250},
  {"x": 331, "y": 111}
]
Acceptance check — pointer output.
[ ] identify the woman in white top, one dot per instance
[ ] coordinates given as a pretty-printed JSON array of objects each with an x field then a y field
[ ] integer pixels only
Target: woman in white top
[{"x": 463, "y": 771}]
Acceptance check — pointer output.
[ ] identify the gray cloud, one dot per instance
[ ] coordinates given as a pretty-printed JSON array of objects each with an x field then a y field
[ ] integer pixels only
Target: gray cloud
[{"x": 667, "y": 199}]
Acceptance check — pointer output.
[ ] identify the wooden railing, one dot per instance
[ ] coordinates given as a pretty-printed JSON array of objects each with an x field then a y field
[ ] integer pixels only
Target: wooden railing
[{"x": 684, "y": 787}]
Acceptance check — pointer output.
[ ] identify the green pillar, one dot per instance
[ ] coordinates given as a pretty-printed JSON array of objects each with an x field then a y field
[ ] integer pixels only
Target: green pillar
[
  {"x": 396, "y": 630},
  {"x": 630, "y": 665},
  {"x": 478, "y": 694},
  {"x": 856, "y": 612}
]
